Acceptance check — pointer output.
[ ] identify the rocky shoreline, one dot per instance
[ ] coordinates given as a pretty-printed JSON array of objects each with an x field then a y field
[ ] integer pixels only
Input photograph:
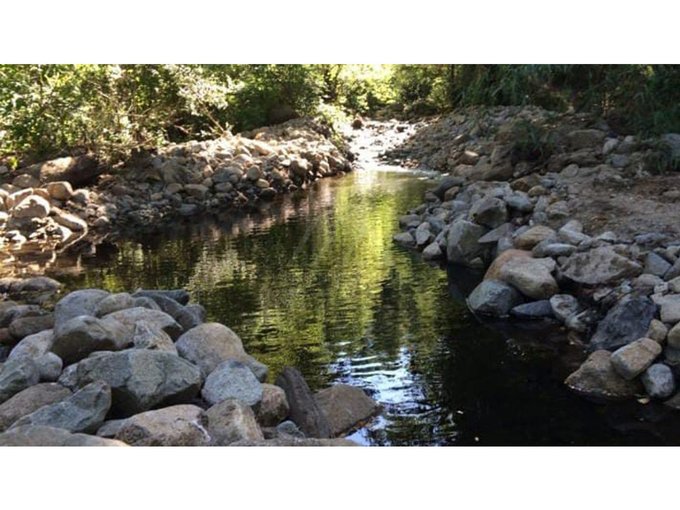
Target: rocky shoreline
[
  {"x": 75, "y": 202},
  {"x": 92, "y": 368},
  {"x": 569, "y": 223}
]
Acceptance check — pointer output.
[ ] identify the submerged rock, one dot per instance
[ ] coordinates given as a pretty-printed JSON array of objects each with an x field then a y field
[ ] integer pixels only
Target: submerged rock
[{"x": 493, "y": 298}]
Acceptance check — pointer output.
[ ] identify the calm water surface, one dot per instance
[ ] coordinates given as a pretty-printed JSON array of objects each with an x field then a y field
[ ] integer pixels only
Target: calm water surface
[{"x": 314, "y": 281}]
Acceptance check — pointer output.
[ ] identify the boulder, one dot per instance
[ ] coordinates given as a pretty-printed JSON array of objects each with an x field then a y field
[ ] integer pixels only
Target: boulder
[
  {"x": 295, "y": 441},
  {"x": 184, "y": 316},
  {"x": 68, "y": 220},
  {"x": 656, "y": 264},
  {"x": 146, "y": 337},
  {"x": 493, "y": 298},
  {"x": 29, "y": 400},
  {"x": 658, "y": 332},
  {"x": 179, "y": 425},
  {"x": 114, "y": 303},
  {"x": 208, "y": 345},
  {"x": 232, "y": 379},
  {"x": 564, "y": 306},
  {"x": 345, "y": 407},
  {"x": 33, "y": 206},
  {"x": 432, "y": 251},
  {"x": 273, "y": 408},
  {"x": 597, "y": 378},
  {"x": 40, "y": 435},
  {"x": 28, "y": 326},
  {"x": 462, "y": 245},
  {"x": 631, "y": 360},
  {"x": 627, "y": 321},
  {"x": 77, "y": 170},
  {"x": 84, "y": 411},
  {"x": 670, "y": 309},
  {"x": 60, "y": 190},
  {"x": 155, "y": 319},
  {"x": 82, "y": 335},
  {"x": 529, "y": 238},
  {"x": 494, "y": 270},
  {"x": 231, "y": 420},
  {"x": 404, "y": 238},
  {"x": 304, "y": 410},
  {"x": 599, "y": 266},
  {"x": 79, "y": 302},
  {"x": 140, "y": 379},
  {"x": 532, "y": 277},
  {"x": 49, "y": 367},
  {"x": 16, "y": 375},
  {"x": 179, "y": 295},
  {"x": 533, "y": 310},
  {"x": 658, "y": 381},
  {"x": 490, "y": 212}
]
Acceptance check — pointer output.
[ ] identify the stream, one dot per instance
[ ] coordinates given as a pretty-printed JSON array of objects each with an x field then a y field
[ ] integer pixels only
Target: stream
[{"x": 313, "y": 280}]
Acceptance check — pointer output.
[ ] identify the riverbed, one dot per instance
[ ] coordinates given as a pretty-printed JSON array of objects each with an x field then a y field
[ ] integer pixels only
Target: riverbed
[{"x": 313, "y": 280}]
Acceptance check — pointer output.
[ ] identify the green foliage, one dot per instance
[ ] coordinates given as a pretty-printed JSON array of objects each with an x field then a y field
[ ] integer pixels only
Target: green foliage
[{"x": 531, "y": 142}]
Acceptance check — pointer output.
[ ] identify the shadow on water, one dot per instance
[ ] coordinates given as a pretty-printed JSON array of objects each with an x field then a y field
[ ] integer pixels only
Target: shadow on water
[{"x": 314, "y": 281}]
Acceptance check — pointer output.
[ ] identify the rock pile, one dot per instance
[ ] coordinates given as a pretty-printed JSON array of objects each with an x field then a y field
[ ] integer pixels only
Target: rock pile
[
  {"x": 43, "y": 203},
  {"x": 513, "y": 213},
  {"x": 146, "y": 369}
]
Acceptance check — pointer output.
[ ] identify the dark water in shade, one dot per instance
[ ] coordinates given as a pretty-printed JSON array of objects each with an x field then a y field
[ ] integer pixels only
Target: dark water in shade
[{"x": 314, "y": 281}]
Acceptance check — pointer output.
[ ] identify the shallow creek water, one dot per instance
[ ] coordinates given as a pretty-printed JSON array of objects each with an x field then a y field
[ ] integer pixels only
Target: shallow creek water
[{"x": 315, "y": 281}]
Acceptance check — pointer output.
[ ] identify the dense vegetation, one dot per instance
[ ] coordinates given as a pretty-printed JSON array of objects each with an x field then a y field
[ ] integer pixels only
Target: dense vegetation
[{"x": 49, "y": 110}]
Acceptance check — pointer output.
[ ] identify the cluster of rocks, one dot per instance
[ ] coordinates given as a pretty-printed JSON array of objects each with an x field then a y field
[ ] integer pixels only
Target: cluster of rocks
[
  {"x": 145, "y": 368},
  {"x": 619, "y": 295},
  {"x": 42, "y": 202}
]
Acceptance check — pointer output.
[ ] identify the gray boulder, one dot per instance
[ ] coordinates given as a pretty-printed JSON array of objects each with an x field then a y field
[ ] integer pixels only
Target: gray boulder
[
  {"x": 79, "y": 302},
  {"x": 140, "y": 379},
  {"x": 114, "y": 303},
  {"x": 462, "y": 244},
  {"x": 232, "y": 379},
  {"x": 79, "y": 336},
  {"x": 184, "y": 316},
  {"x": 16, "y": 375},
  {"x": 533, "y": 310},
  {"x": 345, "y": 407},
  {"x": 179, "y": 425},
  {"x": 670, "y": 309},
  {"x": 40, "y": 435},
  {"x": 532, "y": 277},
  {"x": 208, "y": 345},
  {"x": 631, "y": 360},
  {"x": 493, "y": 298},
  {"x": 29, "y": 400},
  {"x": 84, "y": 411},
  {"x": 490, "y": 212},
  {"x": 624, "y": 323},
  {"x": 564, "y": 306},
  {"x": 26, "y": 326},
  {"x": 33, "y": 346},
  {"x": 658, "y": 381},
  {"x": 599, "y": 266},
  {"x": 231, "y": 420},
  {"x": 304, "y": 410},
  {"x": 656, "y": 265},
  {"x": 146, "y": 337},
  {"x": 155, "y": 319},
  {"x": 295, "y": 441}
]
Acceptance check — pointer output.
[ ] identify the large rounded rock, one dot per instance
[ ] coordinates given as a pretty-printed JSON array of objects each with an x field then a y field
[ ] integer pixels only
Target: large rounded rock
[
  {"x": 345, "y": 407},
  {"x": 596, "y": 377},
  {"x": 34, "y": 346},
  {"x": 600, "y": 266},
  {"x": 273, "y": 408},
  {"x": 16, "y": 375},
  {"x": 232, "y": 379},
  {"x": 493, "y": 298},
  {"x": 490, "y": 212},
  {"x": 532, "y": 277},
  {"x": 463, "y": 246},
  {"x": 494, "y": 270},
  {"x": 658, "y": 381},
  {"x": 145, "y": 337},
  {"x": 531, "y": 237},
  {"x": 631, "y": 360},
  {"x": 184, "y": 316},
  {"x": 180, "y": 425},
  {"x": 82, "y": 335},
  {"x": 29, "y": 400},
  {"x": 564, "y": 306},
  {"x": 304, "y": 410},
  {"x": 84, "y": 411},
  {"x": 155, "y": 319},
  {"x": 60, "y": 190},
  {"x": 40, "y": 435},
  {"x": 140, "y": 379},
  {"x": 79, "y": 302},
  {"x": 114, "y": 303},
  {"x": 624, "y": 323},
  {"x": 26, "y": 326},
  {"x": 231, "y": 420},
  {"x": 208, "y": 345},
  {"x": 33, "y": 206}
]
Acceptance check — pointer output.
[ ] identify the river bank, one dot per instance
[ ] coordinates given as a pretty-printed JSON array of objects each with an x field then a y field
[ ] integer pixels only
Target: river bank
[
  {"x": 569, "y": 223},
  {"x": 75, "y": 203}
]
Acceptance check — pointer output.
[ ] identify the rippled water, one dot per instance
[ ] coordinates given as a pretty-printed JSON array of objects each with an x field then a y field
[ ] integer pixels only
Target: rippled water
[{"x": 314, "y": 281}]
